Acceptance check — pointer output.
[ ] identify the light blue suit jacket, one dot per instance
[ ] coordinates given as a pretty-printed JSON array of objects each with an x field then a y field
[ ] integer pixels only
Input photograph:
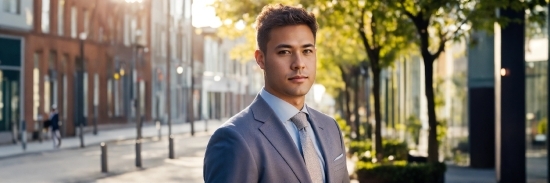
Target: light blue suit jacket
[{"x": 254, "y": 146}]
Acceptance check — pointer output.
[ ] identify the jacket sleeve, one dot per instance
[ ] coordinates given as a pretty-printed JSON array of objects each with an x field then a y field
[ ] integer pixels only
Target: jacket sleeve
[{"x": 228, "y": 159}]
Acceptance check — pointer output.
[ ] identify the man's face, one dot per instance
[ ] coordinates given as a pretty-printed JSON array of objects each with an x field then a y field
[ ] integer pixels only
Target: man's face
[{"x": 289, "y": 61}]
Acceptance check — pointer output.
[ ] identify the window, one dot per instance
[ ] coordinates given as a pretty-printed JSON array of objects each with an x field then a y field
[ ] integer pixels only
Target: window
[
  {"x": 60, "y": 17},
  {"x": 36, "y": 86},
  {"x": 163, "y": 43},
  {"x": 73, "y": 22},
  {"x": 126, "y": 31},
  {"x": 12, "y": 6},
  {"x": 85, "y": 90},
  {"x": 63, "y": 72},
  {"x": 86, "y": 22},
  {"x": 96, "y": 90},
  {"x": 177, "y": 46},
  {"x": 110, "y": 30},
  {"x": 118, "y": 99},
  {"x": 50, "y": 83},
  {"x": 157, "y": 34},
  {"x": 109, "y": 97},
  {"x": 45, "y": 16},
  {"x": 65, "y": 94},
  {"x": 47, "y": 89},
  {"x": 143, "y": 27},
  {"x": 100, "y": 37},
  {"x": 183, "y": 52}
]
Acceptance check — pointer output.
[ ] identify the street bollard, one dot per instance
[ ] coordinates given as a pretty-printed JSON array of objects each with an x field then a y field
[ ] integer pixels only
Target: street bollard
[
  {"x": 24, "y": 135},
  {"x": 138, "y": 153},
  {"x": 158, "y": 129},
  {"x": 206, "y": 124},
  {"x": 171, "y": 147},
  {"x": 81, "y": 134},
  {"x": 103, "y": 157}
]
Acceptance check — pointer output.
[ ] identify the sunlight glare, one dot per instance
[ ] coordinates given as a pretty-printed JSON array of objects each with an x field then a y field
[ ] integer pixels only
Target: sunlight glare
[{"x": 205, "y": 15}]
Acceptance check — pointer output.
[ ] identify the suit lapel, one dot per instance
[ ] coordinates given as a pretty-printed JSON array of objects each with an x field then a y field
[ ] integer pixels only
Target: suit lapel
[
  {"x": 275, "y": 132},
  {"x": 323, "y": 140}
]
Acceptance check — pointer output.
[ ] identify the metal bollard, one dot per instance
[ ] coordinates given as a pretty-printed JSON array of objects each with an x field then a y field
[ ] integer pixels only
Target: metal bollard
[
  {"x": 24, "y": 135},
  {"x": 138, "y": 153},
  {"x": 206, "y": 124},
  {"x": 171, "y": 147},
  {"x": 103, "y": 157}
]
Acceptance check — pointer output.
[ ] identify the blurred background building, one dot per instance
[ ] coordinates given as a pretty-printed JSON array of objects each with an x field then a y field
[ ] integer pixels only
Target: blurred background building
[
  {"x": 89, "y": 59},
  {"x": 81, "y": 56}
]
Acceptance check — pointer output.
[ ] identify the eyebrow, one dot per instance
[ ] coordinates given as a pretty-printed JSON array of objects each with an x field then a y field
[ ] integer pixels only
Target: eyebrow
[{"x": 288, "y": 46}]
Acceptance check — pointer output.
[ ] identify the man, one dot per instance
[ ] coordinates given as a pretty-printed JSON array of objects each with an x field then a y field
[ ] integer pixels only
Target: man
[
  {"x": 278, "y": 138},
  {"x": 54, "y": 125}
]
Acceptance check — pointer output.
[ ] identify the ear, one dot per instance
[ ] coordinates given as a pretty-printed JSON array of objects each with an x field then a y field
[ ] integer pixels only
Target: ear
[{"x": 260, "y": 58}]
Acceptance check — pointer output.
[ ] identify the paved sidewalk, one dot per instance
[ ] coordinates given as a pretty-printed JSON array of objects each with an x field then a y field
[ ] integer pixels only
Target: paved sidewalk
[{"x": 148, "y": 131}]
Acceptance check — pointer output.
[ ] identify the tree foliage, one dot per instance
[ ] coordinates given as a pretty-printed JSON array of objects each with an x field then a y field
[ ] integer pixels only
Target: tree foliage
[{"x": 375, "y": 25}]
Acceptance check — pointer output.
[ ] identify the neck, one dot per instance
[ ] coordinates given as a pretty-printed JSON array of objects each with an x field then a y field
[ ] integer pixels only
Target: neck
[{"x": 296, "y": 101}]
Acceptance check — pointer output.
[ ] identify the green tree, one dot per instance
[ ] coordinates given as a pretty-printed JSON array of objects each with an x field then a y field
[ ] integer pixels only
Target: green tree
[
  {"x": 381, "y": 30},
  {"x": 439, "y": 22}
]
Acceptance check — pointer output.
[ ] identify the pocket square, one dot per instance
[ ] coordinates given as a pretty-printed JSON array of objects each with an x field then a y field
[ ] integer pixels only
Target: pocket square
[{"x": 341, "y": 155}]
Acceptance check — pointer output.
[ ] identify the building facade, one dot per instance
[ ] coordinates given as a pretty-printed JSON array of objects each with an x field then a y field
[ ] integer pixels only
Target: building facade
[
  {"x": 172, "y": 42},
  {"x": 228, "y": 85},
  {"x": 43, "y": 66}
]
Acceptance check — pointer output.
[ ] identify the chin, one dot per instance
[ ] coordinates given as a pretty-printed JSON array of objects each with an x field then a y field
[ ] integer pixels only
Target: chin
[{"x": 298, "y": 92}]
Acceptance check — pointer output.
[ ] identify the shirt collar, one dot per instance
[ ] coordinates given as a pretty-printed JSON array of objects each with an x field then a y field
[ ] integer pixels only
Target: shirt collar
[{"x": 282, "y": 109}]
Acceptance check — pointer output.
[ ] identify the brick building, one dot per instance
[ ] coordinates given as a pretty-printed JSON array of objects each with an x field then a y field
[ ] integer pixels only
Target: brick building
[{"x": 41, "y": 65}]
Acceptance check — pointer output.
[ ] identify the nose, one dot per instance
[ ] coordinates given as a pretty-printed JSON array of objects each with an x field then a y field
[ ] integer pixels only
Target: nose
[{"x": 298, "y": 62}]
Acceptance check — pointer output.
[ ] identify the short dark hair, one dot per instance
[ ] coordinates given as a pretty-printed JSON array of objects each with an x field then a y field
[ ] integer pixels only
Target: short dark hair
[{"x": 273, "y": 16}]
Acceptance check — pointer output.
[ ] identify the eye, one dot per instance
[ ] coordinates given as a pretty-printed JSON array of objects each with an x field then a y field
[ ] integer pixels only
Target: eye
[
  {"x": 283, "y": 52},
  {"x": 308, "y": 51}
]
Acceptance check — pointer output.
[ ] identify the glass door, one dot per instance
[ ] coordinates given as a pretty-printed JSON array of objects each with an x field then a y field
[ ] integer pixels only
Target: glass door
[{"x": 9, "y": 99}]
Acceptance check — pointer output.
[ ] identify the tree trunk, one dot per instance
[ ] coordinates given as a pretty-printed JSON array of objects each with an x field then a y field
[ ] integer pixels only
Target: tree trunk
[
  {"x": 348, "y": 107},
  {"x": 421, "y": 24},
  {"x": 368, "y": 125},
  {"x": 341, "y": 105},
  {"x": 377, "y": 116},
  {"x": 347, "y": 111},
  {"x": 433, "y": 150},
  {"x": 356, "y": 107}
]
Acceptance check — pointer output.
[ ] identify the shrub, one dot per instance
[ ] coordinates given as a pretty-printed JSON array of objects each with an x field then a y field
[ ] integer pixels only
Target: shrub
[
  {"x": 343, "y": 126},
  {"x": 395, "y": 148},
  {"x": 398, "y": 149},
  {"x": 400, "y": 172},
  {"x": 358, "y": 147}
]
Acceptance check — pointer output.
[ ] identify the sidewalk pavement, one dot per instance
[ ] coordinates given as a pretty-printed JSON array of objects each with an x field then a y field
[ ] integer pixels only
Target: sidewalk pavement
[{"x": 148, "y": 131}]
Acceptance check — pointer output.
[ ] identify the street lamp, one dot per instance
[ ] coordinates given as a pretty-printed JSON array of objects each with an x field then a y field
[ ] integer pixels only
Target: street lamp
[
  {"x": 82, "y": 37},
  {"x": 137, "y": 98},
  {"x": 179, "y": 70}
]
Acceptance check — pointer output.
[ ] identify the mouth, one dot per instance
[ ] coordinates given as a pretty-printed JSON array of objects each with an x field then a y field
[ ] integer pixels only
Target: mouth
[{"x": 298, "y": 79}]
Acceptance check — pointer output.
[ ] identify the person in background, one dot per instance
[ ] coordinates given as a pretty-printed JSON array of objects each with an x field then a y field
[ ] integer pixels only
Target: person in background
[{"x": 54, "y": 127}]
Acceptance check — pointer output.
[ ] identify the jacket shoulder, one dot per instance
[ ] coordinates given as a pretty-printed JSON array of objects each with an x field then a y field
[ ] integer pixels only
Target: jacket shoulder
[{"x": 241, "y": 120}]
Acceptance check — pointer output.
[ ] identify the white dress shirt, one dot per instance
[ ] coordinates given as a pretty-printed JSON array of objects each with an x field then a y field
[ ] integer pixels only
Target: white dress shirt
[{"x": 284, "y": 112}]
